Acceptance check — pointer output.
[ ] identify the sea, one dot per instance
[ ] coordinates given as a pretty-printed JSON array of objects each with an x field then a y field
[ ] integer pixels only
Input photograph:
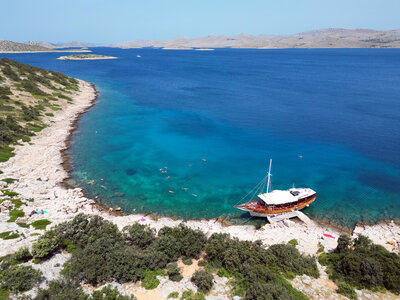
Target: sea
[{"x": 189, "y": 133}]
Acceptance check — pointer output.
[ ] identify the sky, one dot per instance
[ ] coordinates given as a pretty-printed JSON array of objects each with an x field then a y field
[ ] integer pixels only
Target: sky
[{"x": 105, "y": 21}]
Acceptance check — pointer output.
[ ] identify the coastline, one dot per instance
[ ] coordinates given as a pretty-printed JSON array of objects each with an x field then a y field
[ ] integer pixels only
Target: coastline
[
  {"x": 42, "y": 168},
  {"x": 46, "y": 51}
]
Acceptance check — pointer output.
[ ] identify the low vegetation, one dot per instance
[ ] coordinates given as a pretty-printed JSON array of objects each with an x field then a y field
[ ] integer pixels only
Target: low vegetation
[
  {"x": 101, "y": 253},
  {"x": 40, "y": 224},
  {"x": 27, "y": 94},
  {"x": 360, "y": 264},
  {"x": 203, "y": 280}
]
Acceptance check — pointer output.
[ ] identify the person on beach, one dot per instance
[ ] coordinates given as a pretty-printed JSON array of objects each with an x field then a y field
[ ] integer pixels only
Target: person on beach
[{"x": 55, "y": 194}]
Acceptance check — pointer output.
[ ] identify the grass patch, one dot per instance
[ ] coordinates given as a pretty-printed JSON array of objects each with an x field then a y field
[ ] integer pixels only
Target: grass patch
[
  {"x": 9, "y": 235},
  {"x": 41, "y": 224},
  {"x": 15, "y": 214},
  {"x": 173, "y": 295},
  {"x": 9, "y": 193},
  {"x": 17, "y": 202},
  {"x": 49, "y": 114},
  {"x": 6, "y": 152},
  {"x": 150, "y": 281},
  {"x": 23, "y": 225}
]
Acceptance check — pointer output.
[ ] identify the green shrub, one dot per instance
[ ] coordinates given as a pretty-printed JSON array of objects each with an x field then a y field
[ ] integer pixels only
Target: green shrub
[
  {"x": 49, "y": 114},
  {"x": 190, "y": 295},
  {"x": 360, "y": 263},
  {"x": 108, "y": 293},
  {"x": 46, "y": 245},
  {"x": 174, "y": 272},
  {"x": 30, "y": 113},
  {"x": 187, "y": 261},
  {"x": 173, "y": 295},
  {"x": 347, "y": 290},
  {"x": 22, "y": 255},
  {"x": 293, "y": 242},
  {"x": 19, "y": 278},
  {"x": 203, "y": 280},
  {"x": 224, "y": 273},
  {"x": 61, "y": 290},
  {"x": 40, "y": 224},
  {"x": 202, "y": 263},
  {"x": 343, "y": 244},
  {"x": 266, "y": 291},
  {"x": 180, "y": 241},
  {"x": 150, "y": 281}
]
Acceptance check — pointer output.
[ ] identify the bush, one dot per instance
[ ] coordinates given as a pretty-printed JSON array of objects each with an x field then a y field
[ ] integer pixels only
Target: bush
[
  {"x": 188, "y": 242},
  {"x": 360, "y": 263},
  {"x": 347, "y": 290},
  {"x": 293, "y": 242},
  {"x": 224, "y": 273},
  {"x": 150, "y": 280},
  {"x": 203, "y": 280},
  {"x": 108, "y": 293},
  {"x": 22, "y": 255},
  {"x": 46, "y": 245},
  {"x": 62, "y": 290},
  {"x": 202, "y": 263},
  {"x": 173, "y": 295},
  {"x": 267, "y": 291},
  {"x": 190, "y": 295},
  {"x": 174, "y": 272},
  {"x": 30, "y": 113},
  {"x": 344, "y": 243},
  {"x": 187, "y": 261},
  {"x": 19, "y": 278}
]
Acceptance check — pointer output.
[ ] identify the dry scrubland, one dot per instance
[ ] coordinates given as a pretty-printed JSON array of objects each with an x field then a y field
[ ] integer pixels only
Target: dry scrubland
[{"x": 74, "y": 250}]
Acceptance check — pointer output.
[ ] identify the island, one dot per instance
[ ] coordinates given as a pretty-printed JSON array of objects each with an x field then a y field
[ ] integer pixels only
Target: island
[
  {"x": 85, "y": 57},
  {"x": 56, "y": 243}
]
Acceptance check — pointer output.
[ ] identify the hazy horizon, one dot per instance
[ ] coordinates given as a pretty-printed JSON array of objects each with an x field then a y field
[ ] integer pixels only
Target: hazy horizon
[{"x": 105, "y": 23}]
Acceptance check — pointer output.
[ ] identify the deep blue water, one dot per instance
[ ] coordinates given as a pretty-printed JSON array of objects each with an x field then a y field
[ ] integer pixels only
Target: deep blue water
[{"x": 337, "y": 108}]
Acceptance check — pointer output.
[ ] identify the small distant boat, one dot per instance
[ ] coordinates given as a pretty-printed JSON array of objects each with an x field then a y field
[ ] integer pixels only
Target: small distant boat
[
  {"x": 276, "y": 202},
  {"x": 138, "y": 56}
]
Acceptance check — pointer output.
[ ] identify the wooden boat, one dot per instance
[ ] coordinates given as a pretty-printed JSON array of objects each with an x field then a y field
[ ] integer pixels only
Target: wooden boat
[{"x": 277, "y": 202}]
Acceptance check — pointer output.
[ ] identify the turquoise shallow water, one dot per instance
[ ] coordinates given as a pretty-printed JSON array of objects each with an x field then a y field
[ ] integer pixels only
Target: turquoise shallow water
[{"x": 338, "y": 109}]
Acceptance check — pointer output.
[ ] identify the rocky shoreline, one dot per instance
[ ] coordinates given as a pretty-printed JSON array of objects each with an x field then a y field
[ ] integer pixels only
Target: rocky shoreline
[{"x": 41, "y": 169}]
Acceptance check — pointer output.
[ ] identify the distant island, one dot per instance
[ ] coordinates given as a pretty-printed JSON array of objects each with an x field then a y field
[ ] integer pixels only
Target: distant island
[
  {"x": 324, "y": 38},
  {"x": 85, "y": 57},
  {"x": 31, "y": 47}
]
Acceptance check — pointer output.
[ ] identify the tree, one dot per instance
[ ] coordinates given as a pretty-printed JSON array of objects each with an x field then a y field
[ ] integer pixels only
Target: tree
[
  {"x": 139, "y": 235},
  {"x": 344, "y": 243}
]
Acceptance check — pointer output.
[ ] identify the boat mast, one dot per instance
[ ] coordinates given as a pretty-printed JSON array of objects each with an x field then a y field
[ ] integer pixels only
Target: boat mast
[{"x": 269, "y": 174}]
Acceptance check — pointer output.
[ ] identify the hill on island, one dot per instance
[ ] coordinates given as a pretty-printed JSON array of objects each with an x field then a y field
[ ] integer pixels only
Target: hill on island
[
  {"x": 29, "y": 96},
  {"x": 9, "y": 46},
  {"x": 326, "y": 38}
]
